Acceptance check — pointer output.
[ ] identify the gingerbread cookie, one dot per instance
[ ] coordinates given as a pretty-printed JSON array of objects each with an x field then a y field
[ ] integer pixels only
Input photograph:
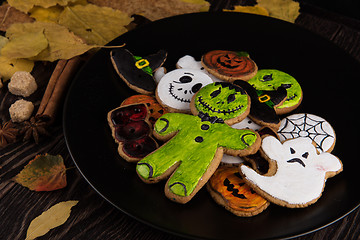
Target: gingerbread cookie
[
  {"x": 229, "y": 65},
  {"x": 263, "y": 103},
  {"x": 197, "y": 142},
  {"x": 177, "y": 87},
  {"x": 137, "y": 72},
  {"x": 132, "y": 131},
  {"x": 271, "y": 79},
  {"x": 309, "y": 126},
  {"x": 155, "y": 109},
  {"x": 301, "y": 172},
  {"x": 228, "y": 189}
]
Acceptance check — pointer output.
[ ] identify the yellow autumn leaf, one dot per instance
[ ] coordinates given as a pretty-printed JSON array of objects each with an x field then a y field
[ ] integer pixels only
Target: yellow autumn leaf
[
  {"x": 50, "y": 14},
  {"x": 286, "y": 10},
  {"x": 3, "y": 41},
  {"x": 9, "y": 66},
  {"x": 25, "y": 46},
  {"x": 97, "y": 25},
  {"x": 26, "y": 6},
  {"x": 53, "y": 217},
  {"x": 250, "y": 9},
  {"x": 62, "y": 44}
]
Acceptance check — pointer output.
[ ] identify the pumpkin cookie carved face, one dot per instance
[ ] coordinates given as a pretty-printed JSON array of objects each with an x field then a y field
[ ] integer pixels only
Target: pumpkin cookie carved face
[
  {"x": 229, "y": 189},
  {"x": 229, "y": 65}
]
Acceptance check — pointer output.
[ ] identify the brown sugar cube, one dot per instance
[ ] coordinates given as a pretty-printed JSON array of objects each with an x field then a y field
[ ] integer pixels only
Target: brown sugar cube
[
  {"x": 21, "y": 110},
  {"x": 22, "y": 84}
]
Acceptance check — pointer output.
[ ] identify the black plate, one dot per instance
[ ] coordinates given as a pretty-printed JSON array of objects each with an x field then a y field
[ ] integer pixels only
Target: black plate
[{"x": 324, "y": 71}]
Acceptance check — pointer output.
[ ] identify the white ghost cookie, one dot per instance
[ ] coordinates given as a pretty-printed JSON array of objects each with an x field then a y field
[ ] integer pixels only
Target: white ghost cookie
[
  {"x": 177, "y": 87},
  {"x": 301, "y": 172}
]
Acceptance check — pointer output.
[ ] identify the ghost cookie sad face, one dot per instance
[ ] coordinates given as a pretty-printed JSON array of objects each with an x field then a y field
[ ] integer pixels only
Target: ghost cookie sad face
[{"x": 176, "y": 88}]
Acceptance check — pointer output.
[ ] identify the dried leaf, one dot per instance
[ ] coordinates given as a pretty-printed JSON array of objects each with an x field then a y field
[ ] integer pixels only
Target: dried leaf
[
  {"x": 250, "y": 9},
  {"x": 10, "y": 15},
  {"x": 155, "y": 9},
  {"x": 9, "y": 66},
  {"x": 97, "y": 25},
  {"x": 26, "y": 45},
  {"x": 51, "y": 218},
  {"x": 43, "y": 173},
  {"x": 3, "y": 41},
  {"x": 287, "y": 10},
  {"x": 26, "y": 6},
  {"x": 62, "y": 43},
  {"x": 50, "y": 14}
]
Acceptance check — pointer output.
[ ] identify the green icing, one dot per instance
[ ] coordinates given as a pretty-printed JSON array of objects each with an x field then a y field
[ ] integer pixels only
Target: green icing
[
  {"x": 192, "y": 148},
  {"x": 146, "y": 69},
  {"x": 271, "y": 79},
  {"x": 222, "y": 100}
]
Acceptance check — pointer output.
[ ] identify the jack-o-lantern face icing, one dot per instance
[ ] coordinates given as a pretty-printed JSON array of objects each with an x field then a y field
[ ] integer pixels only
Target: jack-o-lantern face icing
[
  {"x": 176, "y": 88},
  {"x": 229, "y": 65},
  {"x": 155, "y": 109},
  {"x": 271, "y": 79},
  {"x": 228, "y": 188},
  {"x": 222, "y": 100}
]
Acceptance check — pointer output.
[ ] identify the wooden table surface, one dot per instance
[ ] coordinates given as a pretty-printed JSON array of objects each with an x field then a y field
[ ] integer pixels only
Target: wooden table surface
[{"x": 93, "y": 217}]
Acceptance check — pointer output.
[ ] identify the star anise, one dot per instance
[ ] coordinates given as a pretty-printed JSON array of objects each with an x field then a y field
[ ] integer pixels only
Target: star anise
[
  {"x": 34, "y": 128},
  {"x": 8, "y": 133}
]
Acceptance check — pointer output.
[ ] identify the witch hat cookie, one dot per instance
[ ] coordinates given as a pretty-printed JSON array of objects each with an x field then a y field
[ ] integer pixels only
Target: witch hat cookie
[{"x": 137, "y": 72}]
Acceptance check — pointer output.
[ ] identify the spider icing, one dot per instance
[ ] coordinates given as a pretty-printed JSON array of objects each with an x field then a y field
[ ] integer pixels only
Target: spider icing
[{"x": 300, "y": 175}]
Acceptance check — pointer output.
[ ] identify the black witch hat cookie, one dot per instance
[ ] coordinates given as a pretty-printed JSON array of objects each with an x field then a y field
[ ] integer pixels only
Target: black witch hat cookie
[
  {"x": 263, "y": 103},
  {"x": 136, "y": 71}
]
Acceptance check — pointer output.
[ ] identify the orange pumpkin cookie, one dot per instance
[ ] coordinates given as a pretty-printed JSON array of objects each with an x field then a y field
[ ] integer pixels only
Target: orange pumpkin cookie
[
  {"x": 155, "y": 109},
  {"x": 228, "y": 189},
  {"x": 229, "y": 65}
]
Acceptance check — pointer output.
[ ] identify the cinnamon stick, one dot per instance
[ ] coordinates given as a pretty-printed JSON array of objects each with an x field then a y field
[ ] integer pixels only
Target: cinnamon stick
[{"x": 56, "y": 88}]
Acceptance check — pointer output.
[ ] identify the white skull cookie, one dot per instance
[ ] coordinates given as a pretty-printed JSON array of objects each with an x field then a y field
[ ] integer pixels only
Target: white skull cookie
[
  {"x": 176, "y": 88},
  {"x": 300, "y": 175}
]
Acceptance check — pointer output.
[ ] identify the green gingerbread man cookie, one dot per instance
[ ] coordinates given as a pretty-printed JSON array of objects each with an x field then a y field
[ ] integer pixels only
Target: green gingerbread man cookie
[
  {"x": 272, "y": 79},
  {"x": 198, "y": 141}
]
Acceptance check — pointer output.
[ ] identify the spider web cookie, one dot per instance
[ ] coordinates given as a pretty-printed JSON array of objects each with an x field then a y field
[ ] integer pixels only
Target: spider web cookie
[{"x": 304, "y": 125}]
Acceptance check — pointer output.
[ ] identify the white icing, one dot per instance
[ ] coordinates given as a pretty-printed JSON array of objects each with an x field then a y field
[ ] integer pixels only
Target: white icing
[
  {"x": 308, "y": 126},
  {"x": 159, "y": 73},
  {"x": 247, "y": 123},
  {"x": 228, "y": 159},
  {"x": 176, "y": 88},
  {"x": 293, "y": 183},
  {"x": 189, "y": 62}
]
